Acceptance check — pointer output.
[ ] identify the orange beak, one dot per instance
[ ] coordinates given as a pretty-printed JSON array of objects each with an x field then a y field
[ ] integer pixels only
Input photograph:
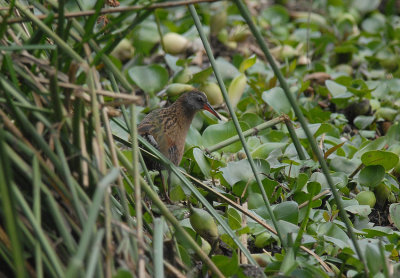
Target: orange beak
[{"x": 208, "y": 107}]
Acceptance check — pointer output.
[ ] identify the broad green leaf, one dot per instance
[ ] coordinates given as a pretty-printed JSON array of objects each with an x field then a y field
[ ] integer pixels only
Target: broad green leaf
[
  {"x": 226, "y": 69},
  {"x": 387, "y": 159},
  {"x": 262, "y": 239},
  {"x": 371, "y": 175},
  {"x": 234, "y": 219},
  {"x": 255, "y": 200},
  {"x": 288, "y": 211},
  {"x": 150, "y": 78},
  {"x": 335, "y": 89},
  {"x": 227, "y": 265},
  {"x": 177, "y": 194},
  {"x": 343, "y": 164},
  {"x": 333, "y": 230},
  {"x": 247, "y": 63},
  {"x": 241, "y": 171},
  {"x": 214, "y": 134},
  {"x": 289, "y": 263},
  {"x": 236, "y": 89},
  {"x": 201, "y": 76},
  {"x": 394, "y": 211},
  {"x": 374, "y": 258},
  {"x": 362, "y": 210},
  {"x": 365, "y": 6},
  {"x": 202, "y": 162},
  {"x": 145, "y": 36},
  {"x": 277, "y": 99},
  {"x": 265, "y": 149},
  {"x": 276, "y": 15},
  {"x": 363, "y": 122},
  {"x": 374, "y": 24}
]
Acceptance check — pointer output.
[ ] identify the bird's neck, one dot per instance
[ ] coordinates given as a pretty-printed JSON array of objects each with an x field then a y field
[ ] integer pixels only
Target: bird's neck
[{"x": 184, "y": 116}]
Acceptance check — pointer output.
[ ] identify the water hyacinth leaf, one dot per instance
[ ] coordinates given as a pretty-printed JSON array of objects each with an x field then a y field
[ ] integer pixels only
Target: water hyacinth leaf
[
  {"x": 288, "y": 211},
  {"x": 335, "y": 89},
  {"x": 363, "y": 122},
  {"x": 247, "y": 63},
  {"x": 264, "y": 150},
  {"x": 236, "y": 89},
  {"x": 276, "y": 98},
  {"x": 201, "y": 76},
  {"x": 228, "y": 266},
  {"x": 240, "y": 170},
  {"x": 145, "y": 36},
  {"x": 216, "y": 133},
  {"x": 202, "y": 162},
  {"x": 332, "y": 230},
  {"x": 387, "y": 159},
  {"x": 343, "y": 164},
  {"x": 234, "y": 219},
  {"x": 371, "y": 175},
  {"x": 394, "y": 211},
  {"x": 373, "y": 256},
  {"x": 362, "y": 210},
  {"x": 276, "y": 15},
  {"x": 227, "y": 70},
  {"x": 149, "y": 78}
]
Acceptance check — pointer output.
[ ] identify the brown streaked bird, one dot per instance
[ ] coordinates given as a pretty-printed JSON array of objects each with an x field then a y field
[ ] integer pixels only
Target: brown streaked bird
[{"x": 166, "y": 128}]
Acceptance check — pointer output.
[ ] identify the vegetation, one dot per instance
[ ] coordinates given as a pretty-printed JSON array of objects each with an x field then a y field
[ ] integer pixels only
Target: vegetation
[{"x": 300, "y": 178}]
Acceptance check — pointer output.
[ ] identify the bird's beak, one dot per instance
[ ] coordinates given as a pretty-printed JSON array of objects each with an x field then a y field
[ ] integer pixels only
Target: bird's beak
[{"x": 208, "y": 107}]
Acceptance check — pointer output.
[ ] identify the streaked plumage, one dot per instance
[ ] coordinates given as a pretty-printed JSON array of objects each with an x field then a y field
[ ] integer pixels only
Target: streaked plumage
[{"x": 166, "y": 128}]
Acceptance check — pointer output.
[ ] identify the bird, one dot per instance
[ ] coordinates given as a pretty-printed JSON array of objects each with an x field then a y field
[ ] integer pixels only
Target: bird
[{"x": 166, "y": 128}]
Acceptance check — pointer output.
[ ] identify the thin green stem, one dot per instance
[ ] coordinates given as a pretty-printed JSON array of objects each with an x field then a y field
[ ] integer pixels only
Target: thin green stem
[
  {"x": 138, "y": 199},
  {"x": 295, "y": 139},
  {"x": 158, "y": 247},
  {"x": 77, "y": 261},
  {"x": 37, "y": 213},
  {"x": 9, "y": 208}
]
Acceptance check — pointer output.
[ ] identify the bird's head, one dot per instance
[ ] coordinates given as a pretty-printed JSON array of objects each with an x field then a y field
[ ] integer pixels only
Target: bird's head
[{"x": 196, "y": 100}]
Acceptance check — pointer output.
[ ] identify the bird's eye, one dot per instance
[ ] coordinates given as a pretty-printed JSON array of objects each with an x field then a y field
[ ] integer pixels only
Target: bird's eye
[{"x": 199, "y": 99}]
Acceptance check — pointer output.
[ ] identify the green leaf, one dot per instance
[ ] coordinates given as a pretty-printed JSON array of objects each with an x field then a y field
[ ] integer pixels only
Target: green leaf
[
  {"x": 264, "y": 150},
  {"x": 394, "y": 211},
  {"x": 226, "y": 69},
  {"x": 234, "y": 219},
  {"x": 177, "y": 194},
  {"x": 335, "y": 89},
  {"x": 362, "y": 210},
  {"x": 123, "y": 273},
  {"x": 241, "y": 171},
  {"x": 201, "y": 76},
  {"x": 277, "y": 99},
  {"x": 236, "y": 89},
  {"x": 330, "y": 229},
  {"x": 363, "y": 122},
  {"x": 202, "y": 162},
  {"x": 387, "y": 159},
  {"x": 276, "y": 15},
  {"x": 214, "y": 134},
  {"x": 288, "y": 211},
  {"x": 145, "y": 36},
  {"x": 247, "y": 63},
  {"x": 371, "y": 175},
  {"x": 374, "y": 258},
  {"x": 228, "y": 266},
  {"x": 151, "y": 78}
]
